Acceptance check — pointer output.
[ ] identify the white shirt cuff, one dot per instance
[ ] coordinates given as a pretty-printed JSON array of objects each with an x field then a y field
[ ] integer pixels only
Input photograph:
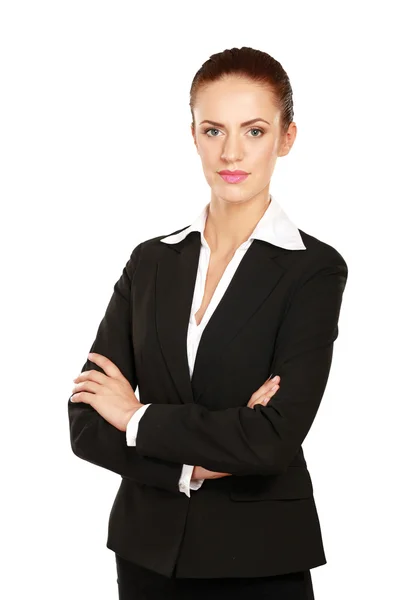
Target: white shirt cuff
[
  {"x": 185, "y": 483},
  {"x": 133, "y": 425},
  {"x": 196, "y": 484}
]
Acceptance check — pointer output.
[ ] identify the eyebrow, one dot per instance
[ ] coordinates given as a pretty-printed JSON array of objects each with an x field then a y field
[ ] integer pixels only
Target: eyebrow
[{"x": 241, "y": 125}]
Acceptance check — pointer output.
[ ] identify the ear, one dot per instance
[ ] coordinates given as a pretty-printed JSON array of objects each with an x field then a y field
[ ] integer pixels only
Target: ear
[
  {"x": 288, "y": 140},
  {"x": 194, "y": 136}
]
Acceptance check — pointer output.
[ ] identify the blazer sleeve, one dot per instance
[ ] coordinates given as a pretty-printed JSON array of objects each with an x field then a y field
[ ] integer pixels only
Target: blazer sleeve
[
  {"x": 265, "y": 439},
  {"x": 94, "y": 439}
]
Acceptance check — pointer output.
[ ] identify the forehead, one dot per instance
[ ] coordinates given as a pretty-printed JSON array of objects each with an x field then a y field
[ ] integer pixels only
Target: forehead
[{"x": 234, "y": 98}]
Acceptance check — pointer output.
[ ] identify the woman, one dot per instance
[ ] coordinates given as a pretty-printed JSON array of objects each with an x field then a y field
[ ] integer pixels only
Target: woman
[{"x": 216, "y": 499}]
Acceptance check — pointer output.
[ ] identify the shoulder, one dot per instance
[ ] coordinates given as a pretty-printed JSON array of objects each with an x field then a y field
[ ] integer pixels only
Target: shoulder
[
  {"x": 155, "y": 242},
  {"x": 150, "y": 248},
  {"x": 320, "y": 262},
  {"x": 320, "y": 253}
]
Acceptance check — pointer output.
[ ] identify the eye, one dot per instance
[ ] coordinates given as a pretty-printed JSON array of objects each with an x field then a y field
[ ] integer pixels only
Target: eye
[
  {"x": 211, "y": 129},
  {"x": 256, "y": 129},
  {"x": 260, "y": 131}
]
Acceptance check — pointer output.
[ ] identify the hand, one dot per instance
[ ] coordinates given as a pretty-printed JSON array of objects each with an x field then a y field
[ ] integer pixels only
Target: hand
[
  {"x": 202, "y": 473},
  {"x": 261, "y": 396},
  {"x": 111, "y": 395},
  {"x": 264, "y": 393}
]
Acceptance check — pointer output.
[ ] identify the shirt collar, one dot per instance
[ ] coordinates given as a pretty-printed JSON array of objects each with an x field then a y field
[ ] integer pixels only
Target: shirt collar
[{"x": 274, "y": 227}]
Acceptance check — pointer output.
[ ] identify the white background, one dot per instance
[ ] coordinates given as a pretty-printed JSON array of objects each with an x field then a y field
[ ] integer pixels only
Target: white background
[{"x": 97, "y": 156}]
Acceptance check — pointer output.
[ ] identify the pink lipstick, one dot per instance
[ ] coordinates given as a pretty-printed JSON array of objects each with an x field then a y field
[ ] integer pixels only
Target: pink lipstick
[{"x": 233, "y": 176}]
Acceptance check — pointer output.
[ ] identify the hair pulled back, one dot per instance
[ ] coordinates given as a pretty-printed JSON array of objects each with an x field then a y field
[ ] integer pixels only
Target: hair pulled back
[{"x": 251, "y": 64}]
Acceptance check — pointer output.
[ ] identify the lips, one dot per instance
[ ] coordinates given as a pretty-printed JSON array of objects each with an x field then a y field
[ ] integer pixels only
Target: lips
[
  {"x": 237, "y": 172},
  {"x": 233, "y": 176}
]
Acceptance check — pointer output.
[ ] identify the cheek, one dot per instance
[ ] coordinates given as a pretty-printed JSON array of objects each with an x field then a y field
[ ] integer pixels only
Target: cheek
[
  {"x": 265, "y": 152},
  {"x": 262, "y": 164},
  {"x": 208, "y": 153}
]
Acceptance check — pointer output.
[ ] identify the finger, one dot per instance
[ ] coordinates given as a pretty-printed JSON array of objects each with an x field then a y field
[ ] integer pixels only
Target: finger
[
  {"x": 264, "y": 400},
  {"x": 268, "y": 396},
  {"x": 82, "y": 397},
  {"x": 265, "y": 388},
  {"x": 271, "y": 381},
  {"x": 88, "y": 386},
  {"x": 93, "y": 375},
  {"x": 263, "y": 397},
  {"x": 106, "y": 364}
]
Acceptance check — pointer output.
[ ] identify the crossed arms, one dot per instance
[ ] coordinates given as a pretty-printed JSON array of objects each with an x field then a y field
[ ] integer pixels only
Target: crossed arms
[{"x": 239, "y": 440}]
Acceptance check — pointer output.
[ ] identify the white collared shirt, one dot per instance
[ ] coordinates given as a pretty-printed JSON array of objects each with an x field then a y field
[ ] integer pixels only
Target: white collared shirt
[{"x": 274, "y": 227}]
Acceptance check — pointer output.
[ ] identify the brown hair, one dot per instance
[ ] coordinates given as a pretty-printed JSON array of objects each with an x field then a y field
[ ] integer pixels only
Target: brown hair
[{"x": 251, "y": 64}]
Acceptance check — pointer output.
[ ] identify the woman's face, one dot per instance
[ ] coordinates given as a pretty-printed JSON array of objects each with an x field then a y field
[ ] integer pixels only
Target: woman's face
[{"x": 225, "y": 143}]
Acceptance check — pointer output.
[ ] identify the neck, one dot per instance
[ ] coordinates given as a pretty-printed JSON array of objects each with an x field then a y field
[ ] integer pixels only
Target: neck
[{"x": 229, "y": 224}]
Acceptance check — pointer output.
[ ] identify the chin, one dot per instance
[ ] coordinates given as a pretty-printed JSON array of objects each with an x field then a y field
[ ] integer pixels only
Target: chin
[{"x": 231, "y": 198}]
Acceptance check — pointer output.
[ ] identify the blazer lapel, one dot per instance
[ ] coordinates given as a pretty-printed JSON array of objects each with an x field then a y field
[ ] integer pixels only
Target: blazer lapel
[
  {"x": 253, "y": 281},
  {"x": 175, "y": 281}
]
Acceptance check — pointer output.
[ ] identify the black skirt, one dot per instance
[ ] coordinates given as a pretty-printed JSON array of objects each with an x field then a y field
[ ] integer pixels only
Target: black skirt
[{"x": 137, "y": 583}]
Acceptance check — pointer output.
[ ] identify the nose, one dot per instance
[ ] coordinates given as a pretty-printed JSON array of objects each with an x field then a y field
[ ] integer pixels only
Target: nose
[{"x": 232, "y": 150}]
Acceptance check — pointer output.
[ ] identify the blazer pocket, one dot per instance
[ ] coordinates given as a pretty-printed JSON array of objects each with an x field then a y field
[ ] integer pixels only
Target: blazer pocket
[{"x": 293, "y": 484}]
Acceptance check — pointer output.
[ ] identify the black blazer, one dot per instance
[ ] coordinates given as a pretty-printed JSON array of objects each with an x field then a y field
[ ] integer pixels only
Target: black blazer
[{"x": 279, "y": 314}]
